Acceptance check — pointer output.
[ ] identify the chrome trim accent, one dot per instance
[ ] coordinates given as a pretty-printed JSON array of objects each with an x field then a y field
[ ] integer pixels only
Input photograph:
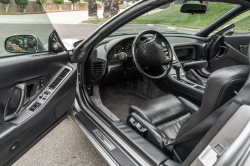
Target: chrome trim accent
[
  {"x": 47, "y": 89},
  {"x": 121, "y": 143},
  {"x": 93, "y": 140}
]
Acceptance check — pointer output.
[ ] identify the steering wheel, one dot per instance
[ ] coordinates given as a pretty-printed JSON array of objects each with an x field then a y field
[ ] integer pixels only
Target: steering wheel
[{"x": 150, "y": 53}]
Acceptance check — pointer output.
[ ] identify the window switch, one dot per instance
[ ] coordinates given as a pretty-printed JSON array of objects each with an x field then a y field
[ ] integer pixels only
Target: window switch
[
  {"x": 32, "y": 108},
  {"x": 35, "y": 106}
]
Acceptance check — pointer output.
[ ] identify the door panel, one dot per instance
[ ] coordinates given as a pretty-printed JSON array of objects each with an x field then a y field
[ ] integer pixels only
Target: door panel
[
  {"x": 230, "y": 51},
  {"x": 49, "y": 83},
  {"x": 238, "y": 40}
]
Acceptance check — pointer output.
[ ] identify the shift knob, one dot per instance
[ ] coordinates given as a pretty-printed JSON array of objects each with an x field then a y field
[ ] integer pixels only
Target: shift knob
[{"x": 177, "y": 68}]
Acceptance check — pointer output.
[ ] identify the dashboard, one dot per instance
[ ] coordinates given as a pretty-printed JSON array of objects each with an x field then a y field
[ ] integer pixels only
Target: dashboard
[{"x": 104, "y": 66}]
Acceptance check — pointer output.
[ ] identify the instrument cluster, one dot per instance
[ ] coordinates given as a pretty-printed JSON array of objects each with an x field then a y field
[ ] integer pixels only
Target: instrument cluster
[{"x": 124, "y": 46}]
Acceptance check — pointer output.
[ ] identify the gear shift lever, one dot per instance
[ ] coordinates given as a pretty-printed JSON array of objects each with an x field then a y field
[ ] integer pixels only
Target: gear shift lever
[{"x": 177, "y": 68}]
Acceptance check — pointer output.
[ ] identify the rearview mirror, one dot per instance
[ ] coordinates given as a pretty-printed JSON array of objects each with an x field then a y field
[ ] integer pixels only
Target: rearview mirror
[
  {"x": 193, "y": 8},
  {"x": 21, "y": 44}
]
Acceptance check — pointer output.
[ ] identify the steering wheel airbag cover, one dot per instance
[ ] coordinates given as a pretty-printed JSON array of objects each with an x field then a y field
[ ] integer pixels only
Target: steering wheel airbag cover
[{"x": 151, "y": 54}]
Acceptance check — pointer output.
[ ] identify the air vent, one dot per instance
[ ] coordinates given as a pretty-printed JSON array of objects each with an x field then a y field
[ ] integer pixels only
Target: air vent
[
  {"x": 60, "y": 77},
  {"x": 97, "y": 70}
]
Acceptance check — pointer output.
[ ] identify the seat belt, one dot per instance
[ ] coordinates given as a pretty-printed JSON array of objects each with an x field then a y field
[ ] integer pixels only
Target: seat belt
[{"x": 228, "y": 113}]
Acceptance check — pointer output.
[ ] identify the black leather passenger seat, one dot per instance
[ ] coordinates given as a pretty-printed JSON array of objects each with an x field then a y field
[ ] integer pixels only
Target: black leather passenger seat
[
  {"x": 166, "y": 113},
  {"x": 165, "y": 121},
  {"x": 162, "y": 109}
]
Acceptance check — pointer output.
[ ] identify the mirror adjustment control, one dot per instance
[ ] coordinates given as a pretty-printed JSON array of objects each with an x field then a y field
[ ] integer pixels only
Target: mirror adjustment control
[{"x": 46, "y": 93}]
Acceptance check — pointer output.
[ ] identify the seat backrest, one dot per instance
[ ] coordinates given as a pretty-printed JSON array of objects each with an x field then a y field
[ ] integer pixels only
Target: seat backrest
[
  {"x": 241, "y": 99},
  {"x": 222, "y": 86}
]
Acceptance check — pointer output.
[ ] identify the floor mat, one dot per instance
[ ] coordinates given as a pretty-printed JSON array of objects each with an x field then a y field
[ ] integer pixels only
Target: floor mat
[{"x": 118, "y": 101}]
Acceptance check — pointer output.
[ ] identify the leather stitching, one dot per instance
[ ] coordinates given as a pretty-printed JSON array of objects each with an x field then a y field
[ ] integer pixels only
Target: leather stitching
[{"x": 223, "y": 88}]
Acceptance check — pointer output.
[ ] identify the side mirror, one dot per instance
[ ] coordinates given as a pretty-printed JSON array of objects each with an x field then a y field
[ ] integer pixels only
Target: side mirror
[
  {"x": 22, "y": 44},
  {"x": 193, "y": 8}
]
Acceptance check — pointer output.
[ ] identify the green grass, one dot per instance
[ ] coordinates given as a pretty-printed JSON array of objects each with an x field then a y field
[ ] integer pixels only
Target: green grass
[
  {"x": 173, "y": 17},
  {"x": 242, "y": 23},
  {"x": 97, "y": 21}
]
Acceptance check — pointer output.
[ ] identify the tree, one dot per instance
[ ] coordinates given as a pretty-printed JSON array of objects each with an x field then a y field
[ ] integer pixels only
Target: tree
[
  {"x": 6, "y": 2},
  {"x": 114, "y": 8},
  {"x": 74, "y": 3},
  {"x": 22, "y": 3},
  {"x": 42, "y": 2},
  {"x": 207, "y": 4},
  {"x": 102, "y": 1},
  {"x": 59, "y": 2},
  {"x": 125, "y": 3},
  {"x": 106, "y": 10},
  {"x": 92, "y": 9}
]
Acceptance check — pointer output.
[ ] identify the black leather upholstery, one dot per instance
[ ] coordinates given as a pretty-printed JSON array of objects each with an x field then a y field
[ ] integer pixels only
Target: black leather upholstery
[
  {"x": 160, "y": 110},
  {"x": 221, "y": 87},
  {"x": 192, "y": 108},
  {"x": 169, "y": 118},
  {"x": 149, "y": 151},
  {"x": 162, "y": 116}
]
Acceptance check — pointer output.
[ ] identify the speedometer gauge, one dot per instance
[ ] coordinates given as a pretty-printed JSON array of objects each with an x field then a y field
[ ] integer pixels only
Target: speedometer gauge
[
  {"x": 119, "y": 48},
  {"x": 128, "y": 49}
]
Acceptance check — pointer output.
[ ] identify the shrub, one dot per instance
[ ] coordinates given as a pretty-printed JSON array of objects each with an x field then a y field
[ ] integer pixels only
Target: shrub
[
  {"x": 58, "y": 1},
  {"x": 5, "y": 1},
  {"x": 23, "y": 3},
  {"x": 41, "y": 2},
  {"x": 74, "y": 1}
]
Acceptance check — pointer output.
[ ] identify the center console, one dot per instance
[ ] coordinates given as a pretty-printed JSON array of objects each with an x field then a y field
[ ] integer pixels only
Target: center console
[{"x": 178, "y": 74}]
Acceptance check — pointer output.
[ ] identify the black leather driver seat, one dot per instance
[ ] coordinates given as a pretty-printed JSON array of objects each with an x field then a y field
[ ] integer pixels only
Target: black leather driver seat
[{"x": 168, "y": 118}]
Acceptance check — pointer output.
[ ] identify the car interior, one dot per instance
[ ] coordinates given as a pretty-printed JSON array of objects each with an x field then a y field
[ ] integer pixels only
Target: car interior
[
  {"x": 171, "y": 97},
  {"x": 163, "y": 92}
]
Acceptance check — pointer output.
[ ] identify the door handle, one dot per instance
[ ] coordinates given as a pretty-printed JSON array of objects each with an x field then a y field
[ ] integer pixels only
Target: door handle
[
  {"x": 243, "y": 49},
  {"x": 15, "y": 102}
]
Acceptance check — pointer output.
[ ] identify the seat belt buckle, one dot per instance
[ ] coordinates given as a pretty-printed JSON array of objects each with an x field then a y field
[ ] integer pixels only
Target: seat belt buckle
[{"x": 219, "y": 148}]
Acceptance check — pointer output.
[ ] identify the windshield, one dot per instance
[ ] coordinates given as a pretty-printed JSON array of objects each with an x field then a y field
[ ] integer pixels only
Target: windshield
[{"x": 169, "y": 19}]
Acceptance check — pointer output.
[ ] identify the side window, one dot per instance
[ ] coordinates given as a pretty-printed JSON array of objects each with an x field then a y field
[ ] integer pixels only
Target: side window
[
  {"x": 242, "y": 25},
  {"x": 23, "y": 29},
  {"x": 241, "y": 22}
]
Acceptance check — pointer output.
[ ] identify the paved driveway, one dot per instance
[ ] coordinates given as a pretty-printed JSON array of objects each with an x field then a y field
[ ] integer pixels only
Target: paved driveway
[{"x": 66, "y": 145}]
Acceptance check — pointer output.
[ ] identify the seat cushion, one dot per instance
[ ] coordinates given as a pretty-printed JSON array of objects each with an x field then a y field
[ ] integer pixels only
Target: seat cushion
[
  {"x": 160, "y": 110},
  {"x": 171, "y": 129}
]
